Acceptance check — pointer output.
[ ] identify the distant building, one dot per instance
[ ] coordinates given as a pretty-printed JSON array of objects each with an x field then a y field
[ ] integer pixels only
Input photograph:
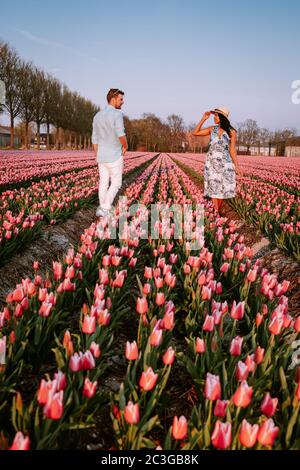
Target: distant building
[{"x": 5, "y": 137}]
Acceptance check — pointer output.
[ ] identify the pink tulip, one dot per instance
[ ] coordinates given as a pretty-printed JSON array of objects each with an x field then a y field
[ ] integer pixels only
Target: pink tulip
[
  {"x": 200, "y": 346},
  {"x": 179, "y": 428},
  {"x": 89, "y": 325},
  {"x": 221, "y": 436},
  {"x": 89, "y": 388},
  {"x": 131, "y": 413},
  {"x": 141, "y": 305},
  {"x": 241, "y": 371},
  {"x": 54, "y": 407},
  {"x": 20, "y": 442},
  {"x": 259, "y": 355},
  {"x": 156, "y": 337},
  {"x": 57, "y": 270},
  {"x": 248, "y": 434},
  {"x": 95, "y": 349},
  {"x": 236, "y": 346},
  {"x": 268, "y": 406},
  {"x": 209, "y": 323},
  {"x": 87, "y": 361},
  {"x": 220, "y": 408},
  {"x": 148, "y": 379},
  {"x": 212, "y": 389},
  {"x": 243, "y": 395},
  {"x": 131, "y": 352},
  {"x": 160, "y": 298},
  {"x": 267, "y": 433},
  {"x": 237, "y": 310},
  {"x": 169, "y": 356}
]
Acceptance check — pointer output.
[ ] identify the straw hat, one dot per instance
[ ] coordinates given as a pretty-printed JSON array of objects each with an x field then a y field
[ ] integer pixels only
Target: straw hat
[{"x": 221, "y": 110}]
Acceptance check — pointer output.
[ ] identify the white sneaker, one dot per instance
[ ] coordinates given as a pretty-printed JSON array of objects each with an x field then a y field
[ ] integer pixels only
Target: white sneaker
[{"x": 100, "y": 212}]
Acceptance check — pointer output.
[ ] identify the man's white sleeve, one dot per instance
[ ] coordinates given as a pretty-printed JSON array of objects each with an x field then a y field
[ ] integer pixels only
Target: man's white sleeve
[
  {"x": 119, "y": 124},
  {"x": 94, "y": 134}
]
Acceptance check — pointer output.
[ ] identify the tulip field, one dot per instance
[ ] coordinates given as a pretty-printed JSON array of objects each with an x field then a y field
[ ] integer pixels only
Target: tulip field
[{"x": 199, "y": 344}]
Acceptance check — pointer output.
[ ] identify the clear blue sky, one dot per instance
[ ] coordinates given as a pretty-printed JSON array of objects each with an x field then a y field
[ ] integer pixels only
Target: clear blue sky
[{"x": 169, "y": 56}]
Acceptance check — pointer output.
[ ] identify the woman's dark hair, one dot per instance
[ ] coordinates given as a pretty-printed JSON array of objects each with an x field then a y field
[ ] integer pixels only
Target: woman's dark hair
[{"x": 225, "y": 124}]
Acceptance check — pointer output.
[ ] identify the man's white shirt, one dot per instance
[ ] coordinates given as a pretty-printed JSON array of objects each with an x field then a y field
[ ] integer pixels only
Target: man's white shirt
[{"x": 108, "y": 126}]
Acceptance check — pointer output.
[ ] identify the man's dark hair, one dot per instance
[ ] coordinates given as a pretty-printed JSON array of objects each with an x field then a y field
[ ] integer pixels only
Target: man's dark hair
[{"x": 114, "y": 92}]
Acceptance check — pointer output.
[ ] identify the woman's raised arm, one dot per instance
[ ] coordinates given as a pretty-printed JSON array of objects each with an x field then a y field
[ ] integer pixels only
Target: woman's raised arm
[{"x": 198, "y": 131}]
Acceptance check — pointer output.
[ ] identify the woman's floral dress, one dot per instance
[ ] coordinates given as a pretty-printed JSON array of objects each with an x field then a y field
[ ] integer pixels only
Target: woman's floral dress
[{"x": 219, "y": 170}]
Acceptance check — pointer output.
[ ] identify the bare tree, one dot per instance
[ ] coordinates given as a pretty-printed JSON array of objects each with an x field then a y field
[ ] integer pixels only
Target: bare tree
[
  {"x": 39, "y": 90},
  {"x": 27, "y": 97},
  {"x": 248, "y": 132},
  {"x": 176, "y": 125},
  {"x": 10, "y": 64}
]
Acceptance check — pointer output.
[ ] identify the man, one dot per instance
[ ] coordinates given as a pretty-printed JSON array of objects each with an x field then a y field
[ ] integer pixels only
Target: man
[{"x": 110, "y": 144}]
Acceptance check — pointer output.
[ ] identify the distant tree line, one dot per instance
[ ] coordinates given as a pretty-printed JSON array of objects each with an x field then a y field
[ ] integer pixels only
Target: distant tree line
[{"x": 36, "y": 98}]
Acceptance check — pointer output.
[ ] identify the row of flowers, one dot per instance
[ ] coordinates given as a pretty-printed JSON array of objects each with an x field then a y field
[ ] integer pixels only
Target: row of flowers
[
  {"x": 18, "y": 166},
  {"x": 23, "y": 211}
]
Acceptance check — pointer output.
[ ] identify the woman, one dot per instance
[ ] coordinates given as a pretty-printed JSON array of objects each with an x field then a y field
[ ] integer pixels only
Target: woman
[{"x": 221, "y": 162}]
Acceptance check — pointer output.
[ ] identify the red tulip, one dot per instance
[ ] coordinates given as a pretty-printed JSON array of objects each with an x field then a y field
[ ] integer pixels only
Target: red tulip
[
  {"x": 298, "y": 390},
  {"x": 168, "y": 320},
  {"x": 89, "y": 388},
  {"x": 46, "y": 388},
  {"x": 200, "y": 346},
  {"x": 95, "y": 349},
  {"x": 61, "y": 380},
  {"x": 169, "y": 356},
  {"x": 212, "y": 389},
  {"x": 243, "y": 395},
  {"x": 297, "y": 324},
  {"x": 131, "y": 352},
  {"x": 221, "y": 436},
  {"x": 267, "y": 433},
  {"x": 54, "y": 407},
  {"x": 259, "y": 355},
  {"x": 148, "y": 379},
  {"x": 237, "y": 310},
  {"x": 206, "y": 293},
  {"x": 20, "y": 442},
  {"x": 147, "y": 289},
  {"x": 67, "y": 343},
  {"x": 148, "y": 274},
  {"x": 236, "y": 346},
  {"x": 141, "y": 305},
  {"x": 18, "y": 294},
  {"x": 209, "y": 323},
  {"x": 89, "y": 324},
  {"x": 159, "y": 282},
  {"x": 248, "y": 434},
  {"x": 103, "y": 317},
  {"x": 179, "y": 428},
  {"x": 276, "y": 324},
  {"x": 58, "y": 270},
  {"x": 75, "y": 364},
  {"x": 241, "y": 371},
  {"x": 220, "y": 408},
  {"x": 268, "y": 406},
  {"x": 156, "y": 337},
  {"x": 87, "y": 361},
  {"x": 224, "y": 268},
  {"x": 160, "y": 298},
  {"x": 131, "y": 413},
  {"x": 252, "y": 275}
]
